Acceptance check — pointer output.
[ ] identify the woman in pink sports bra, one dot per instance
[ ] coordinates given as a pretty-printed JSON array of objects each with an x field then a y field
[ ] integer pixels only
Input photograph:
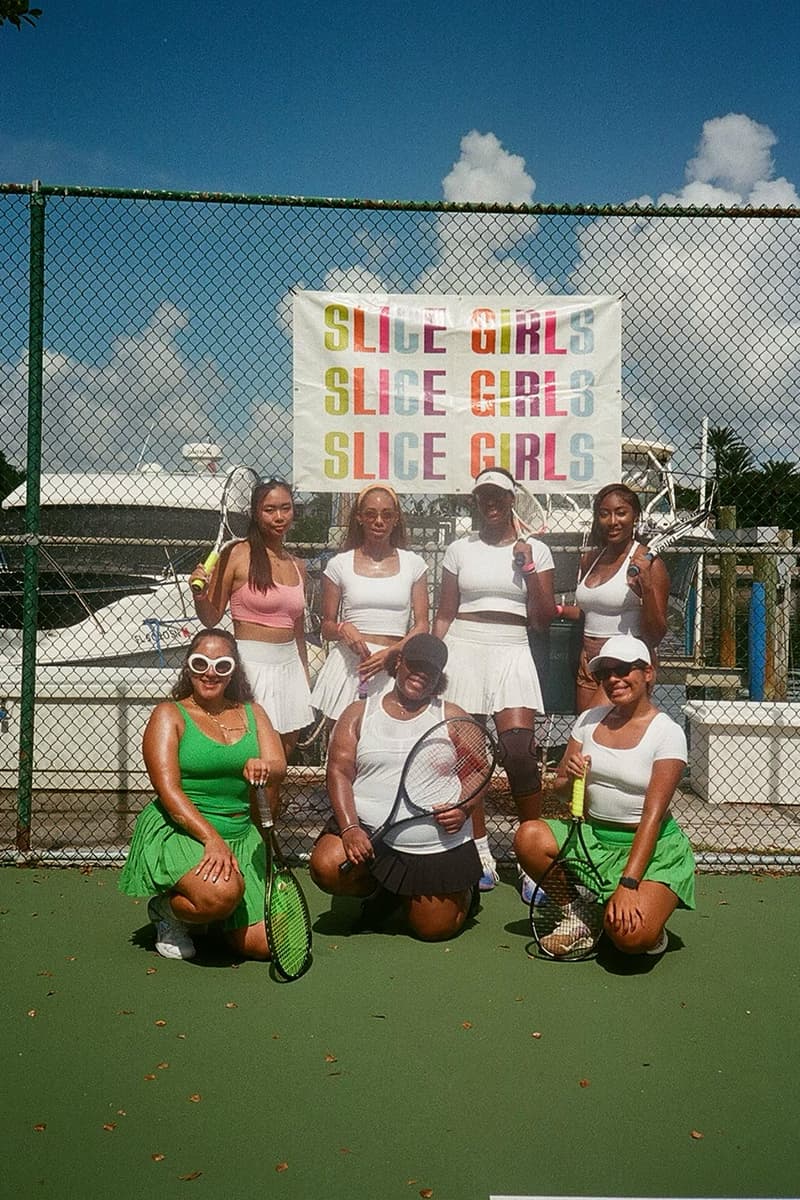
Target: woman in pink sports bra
[
  {"x": 265, "y": 588},
  {"x": 608, "y": 597}
]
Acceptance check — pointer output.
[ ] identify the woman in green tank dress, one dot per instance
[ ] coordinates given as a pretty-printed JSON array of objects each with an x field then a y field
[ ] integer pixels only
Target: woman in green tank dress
[{"x": 196, "y": 848}]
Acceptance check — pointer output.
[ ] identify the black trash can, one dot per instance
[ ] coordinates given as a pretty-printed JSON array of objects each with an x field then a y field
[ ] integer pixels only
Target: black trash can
[{"x": 556, "y": 652}]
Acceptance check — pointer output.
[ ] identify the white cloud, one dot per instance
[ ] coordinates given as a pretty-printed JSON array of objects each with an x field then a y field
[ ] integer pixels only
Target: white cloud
[
  {"x": 487, "y": 174},
  {"x": 708, "y": 304}
]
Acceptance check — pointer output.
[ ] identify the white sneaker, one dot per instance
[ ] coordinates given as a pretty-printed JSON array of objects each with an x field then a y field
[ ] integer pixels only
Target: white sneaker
[
  {"x": 172, "y": 935},
  {"x": 527, "y": 886},
  {"x": 660, "y": 945},
  {"x": 570, "y": 936},
  {"x": 489, "y": 878}
]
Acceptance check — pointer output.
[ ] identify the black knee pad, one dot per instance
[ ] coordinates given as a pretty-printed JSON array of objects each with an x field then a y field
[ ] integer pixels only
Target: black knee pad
[{"x": 517, "y": 756}]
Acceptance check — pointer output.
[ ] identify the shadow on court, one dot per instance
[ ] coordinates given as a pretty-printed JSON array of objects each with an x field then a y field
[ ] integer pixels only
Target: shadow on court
[{"x": 396, "y": 1068}]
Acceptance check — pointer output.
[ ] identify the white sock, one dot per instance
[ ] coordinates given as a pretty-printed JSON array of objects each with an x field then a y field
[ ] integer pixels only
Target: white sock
[{"x": 482, "y": 846}]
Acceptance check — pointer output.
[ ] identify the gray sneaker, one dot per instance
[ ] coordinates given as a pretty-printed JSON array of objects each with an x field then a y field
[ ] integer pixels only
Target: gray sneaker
[{"x": 172, "y": 935}]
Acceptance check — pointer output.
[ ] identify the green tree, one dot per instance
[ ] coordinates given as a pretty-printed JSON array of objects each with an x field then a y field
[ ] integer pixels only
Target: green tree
[
  {"x": 17, "y": 11},
  {"x": 732, "y": 460}
]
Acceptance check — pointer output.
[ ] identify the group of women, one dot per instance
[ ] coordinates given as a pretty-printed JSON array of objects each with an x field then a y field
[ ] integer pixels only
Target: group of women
[{"x": 241, "y": 700}]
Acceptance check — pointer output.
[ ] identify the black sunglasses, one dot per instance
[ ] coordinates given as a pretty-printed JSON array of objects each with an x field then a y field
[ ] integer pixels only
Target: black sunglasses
[{"x": 621, "y": 670}]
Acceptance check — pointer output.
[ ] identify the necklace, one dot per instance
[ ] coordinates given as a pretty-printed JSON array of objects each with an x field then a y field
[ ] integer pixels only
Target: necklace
[{"x": 226, "y": 729}]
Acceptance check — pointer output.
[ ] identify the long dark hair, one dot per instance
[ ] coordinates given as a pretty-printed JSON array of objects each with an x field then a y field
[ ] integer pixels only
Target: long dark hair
[
  {"x": 629, "y": 496},
  {"x": 259, "y": 576},
  {"x": 238, "y": 689},
  {"x": 355, "y": 532}
]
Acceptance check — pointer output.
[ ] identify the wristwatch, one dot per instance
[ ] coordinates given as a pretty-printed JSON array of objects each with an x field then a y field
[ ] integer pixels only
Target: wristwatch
[{"x": 627, "y": 881}]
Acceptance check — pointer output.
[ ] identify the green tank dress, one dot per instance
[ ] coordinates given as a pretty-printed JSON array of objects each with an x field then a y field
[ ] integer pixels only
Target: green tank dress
[{"x": 211, "y": 776}]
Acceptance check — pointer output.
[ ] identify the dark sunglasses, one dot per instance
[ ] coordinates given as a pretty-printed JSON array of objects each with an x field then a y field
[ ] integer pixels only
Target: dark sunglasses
[
  {"x": 621, "y": 670},
  {"x": 199, "y": 664}
]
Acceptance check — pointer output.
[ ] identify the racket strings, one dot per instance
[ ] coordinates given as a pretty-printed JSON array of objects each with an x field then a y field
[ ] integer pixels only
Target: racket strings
[
  {"x": 289, "y": 926},
  {"x": 566, "y": 916},
  {"x": 449, "y": 768}
]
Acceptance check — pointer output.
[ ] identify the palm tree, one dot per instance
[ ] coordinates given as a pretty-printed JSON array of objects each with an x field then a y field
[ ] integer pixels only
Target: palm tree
[{"x": 732, "y": 460}]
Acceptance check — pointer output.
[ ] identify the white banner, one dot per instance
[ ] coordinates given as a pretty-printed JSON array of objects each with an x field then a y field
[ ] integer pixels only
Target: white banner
[{"x": 423, "y": 392}]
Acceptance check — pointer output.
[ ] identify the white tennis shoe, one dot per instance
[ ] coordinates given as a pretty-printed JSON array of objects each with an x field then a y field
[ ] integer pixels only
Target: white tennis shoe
[{"x": 172, "y": 935}]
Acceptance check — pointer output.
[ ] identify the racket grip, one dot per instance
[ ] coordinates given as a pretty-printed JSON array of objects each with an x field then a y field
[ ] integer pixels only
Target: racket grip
[
  {"x": 633, "y": 570},
  {"x": 577, "y": 797},
  {"x": 200, "y": 585}
]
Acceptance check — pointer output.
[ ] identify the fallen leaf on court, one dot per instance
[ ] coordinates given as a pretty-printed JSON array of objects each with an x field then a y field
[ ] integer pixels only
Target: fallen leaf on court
[
  {"x": 697, "y": 1135},
  {"x": 121, "y": 1112},
  {"x": 182, "y": 1036},
  {"x": 583, "y": 1082},
  {"x": 536, "y": 1035},
  {"x": 158, "y": 1157},
  {"x": 49, "y": 974},
  {"x": 39, "y": 1128},
  {"x": 426, "y": 1193},
  {"x": 466, "y": 1024},
  {"x": 279, "y": 1167},
  {"x": 31, "y": 1012},
  {"x": 195, "y": 1097},
  {"x": 71, "y": 958},
  {"x": 331, "y": 1058},
  {"x": 231, "y": 1004},
  {"x": 149, "y": 1076},
  {"x": 110, "y": 1126},
  {"x": 190, "y": 1176},
  {"x": 161, "y": 1024},
  {"x": 151, "y": 970},
  {"x": 162, "y": 1066},
  {"x": 125, "y": 1012},
  {"x": 345, "y": 1150}
]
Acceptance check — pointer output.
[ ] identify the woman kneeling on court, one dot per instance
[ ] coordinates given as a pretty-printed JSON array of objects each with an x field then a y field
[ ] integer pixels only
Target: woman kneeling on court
[
  {"x": 197, "y": 846},
  {"x": 633, "y": 756},
  {"x": 429, "y": 866}
]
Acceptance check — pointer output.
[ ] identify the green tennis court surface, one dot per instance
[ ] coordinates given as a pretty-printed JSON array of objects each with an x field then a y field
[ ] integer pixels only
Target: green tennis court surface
[{"x": 394, "y": 1068}]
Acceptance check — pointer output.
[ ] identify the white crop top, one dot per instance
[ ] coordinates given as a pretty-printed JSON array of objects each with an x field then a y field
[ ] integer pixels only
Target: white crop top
[
  {"x": 383, "y": 747},
  {"x": 374, "y": 603},
  {"x": 611, "y": 607},
  {"x": 618, "y": 779},
  {"x": 488, "y": 581}
]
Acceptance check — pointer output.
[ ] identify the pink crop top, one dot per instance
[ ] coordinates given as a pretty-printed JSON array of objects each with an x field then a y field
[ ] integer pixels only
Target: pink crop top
[{"x": 279, "y": 607}]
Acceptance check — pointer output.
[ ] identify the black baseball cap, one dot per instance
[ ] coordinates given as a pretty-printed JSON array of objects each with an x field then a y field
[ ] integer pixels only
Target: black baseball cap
[{"x": 425, "y": 648}]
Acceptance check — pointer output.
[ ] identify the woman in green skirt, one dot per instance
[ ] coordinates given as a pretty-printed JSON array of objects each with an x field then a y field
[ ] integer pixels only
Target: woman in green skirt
[
  {"x": 196, "y": 848},
  {"x": 633, "y": 757}
]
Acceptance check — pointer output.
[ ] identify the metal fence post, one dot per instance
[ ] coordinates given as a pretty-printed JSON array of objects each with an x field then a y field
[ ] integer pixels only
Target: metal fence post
[{"x": 33, "y": 466}]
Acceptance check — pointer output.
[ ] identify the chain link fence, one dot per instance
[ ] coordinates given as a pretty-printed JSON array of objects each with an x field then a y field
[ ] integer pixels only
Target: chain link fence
[{"x": 147, "y": 337}]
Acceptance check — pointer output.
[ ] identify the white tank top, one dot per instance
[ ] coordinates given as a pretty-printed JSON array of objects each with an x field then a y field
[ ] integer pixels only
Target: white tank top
[
  {"x": 383, "y": 746},
  {"x": 611, "y": 607}
]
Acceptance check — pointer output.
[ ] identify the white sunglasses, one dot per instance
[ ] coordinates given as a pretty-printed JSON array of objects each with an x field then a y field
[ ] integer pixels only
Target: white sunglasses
[{"x": 200, "y": 664}]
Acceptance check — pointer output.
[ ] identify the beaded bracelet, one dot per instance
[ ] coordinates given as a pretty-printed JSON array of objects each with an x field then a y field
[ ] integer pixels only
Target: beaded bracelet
[
  {"x": 529, "y": 568},
  {"x": 352, "y": 825}
]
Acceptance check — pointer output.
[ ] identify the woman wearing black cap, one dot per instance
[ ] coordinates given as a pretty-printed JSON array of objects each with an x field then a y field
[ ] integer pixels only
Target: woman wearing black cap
[
  {"x": 496, "y": 584},
  {"x": 431, "y": 867}
]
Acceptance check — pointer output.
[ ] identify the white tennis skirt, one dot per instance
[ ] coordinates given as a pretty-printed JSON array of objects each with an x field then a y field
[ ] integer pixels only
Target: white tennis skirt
[
  {"x": 490, "y": 667},
  {"x": 336, "y": 686},
  {"x": 276, "y": 675}
]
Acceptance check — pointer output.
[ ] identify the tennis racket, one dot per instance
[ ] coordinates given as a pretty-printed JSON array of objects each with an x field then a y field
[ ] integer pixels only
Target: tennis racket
[
  {"x": 234, "y": 516},
  {"x": 447, "y": 767},
  {"x": 528, "y": 516},
  {"x": 662, "y": 541},
  {"x": 286, "y": 918},
  {"x": 566, "y": 912}
]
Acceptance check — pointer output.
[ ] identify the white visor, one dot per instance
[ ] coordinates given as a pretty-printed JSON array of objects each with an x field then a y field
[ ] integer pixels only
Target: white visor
[{"x": 495, "y": 479}]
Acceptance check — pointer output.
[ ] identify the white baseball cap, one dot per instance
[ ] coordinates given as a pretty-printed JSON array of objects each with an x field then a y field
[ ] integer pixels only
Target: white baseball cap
[
  {"x": 621, "y": 648},
  {"x": 495, "y": 479}
]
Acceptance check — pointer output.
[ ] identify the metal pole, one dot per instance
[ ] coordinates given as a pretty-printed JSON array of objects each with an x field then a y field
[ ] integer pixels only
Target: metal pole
[
  {"x": 33, "y": 467},
  {"x": 698, "y": 652}
]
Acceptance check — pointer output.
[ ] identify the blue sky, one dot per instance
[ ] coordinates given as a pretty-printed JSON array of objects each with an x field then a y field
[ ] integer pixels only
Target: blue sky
[
  {"x": 603, "y": 102},
  {"x": 672, "y": 103}
]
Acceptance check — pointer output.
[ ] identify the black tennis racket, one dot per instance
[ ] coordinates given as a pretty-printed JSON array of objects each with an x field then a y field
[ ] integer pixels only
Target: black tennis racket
[
  {"x": 566, "y": 912},
  {"x": 662, "y": 541},
  {"x": 447, "y": 767},
  {"x": 234, "y": 516},
  {"x": 286, "y": 918}
]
